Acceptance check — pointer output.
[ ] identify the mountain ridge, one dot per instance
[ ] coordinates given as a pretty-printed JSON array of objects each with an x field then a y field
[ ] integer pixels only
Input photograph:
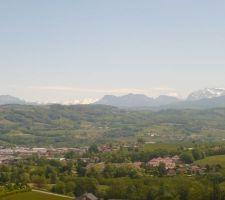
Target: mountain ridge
[
  {"x": 8, "y": 99},
  {"x": 136, "y": 100},
  {"x": 200, "y": 99}
]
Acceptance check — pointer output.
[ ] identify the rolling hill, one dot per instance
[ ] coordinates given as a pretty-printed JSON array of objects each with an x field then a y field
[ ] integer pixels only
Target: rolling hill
[{"x": 79, "y": 125}]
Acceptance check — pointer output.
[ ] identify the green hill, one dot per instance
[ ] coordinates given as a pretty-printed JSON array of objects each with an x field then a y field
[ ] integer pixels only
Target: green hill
[
  {"x": 83, "y": 124},
  {"x": 212, "y": 160}
]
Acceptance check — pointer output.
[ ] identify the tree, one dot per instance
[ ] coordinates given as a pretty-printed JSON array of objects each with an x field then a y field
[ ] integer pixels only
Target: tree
[
  {"x": 69, "y": 187},
  {"x": 197, "y": 154},
  {"x": 70, "y": 155},
  {"x": 53, "y": 177},
  {"x": 186, "y": 158},
  {"x": 59, "y": 188},
  {"x": 141, "y": 140},
  {"x": 93, "y": 148},
  {"x": 109, "y": 171},
  {"x": 85, "y": 184},
  {"x": 81, "y": 168},
  {"x": 39, "y": 181},
  {"x": 162, "y": 169}
]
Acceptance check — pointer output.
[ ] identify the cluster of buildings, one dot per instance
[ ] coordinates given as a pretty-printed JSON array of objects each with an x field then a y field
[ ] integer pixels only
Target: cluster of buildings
[
  {"x": 169, "y": 162},
  {"x": 11, "y": 155},
  {"x": 174, "y": 166},
  {"x": 104, "y": 148}
]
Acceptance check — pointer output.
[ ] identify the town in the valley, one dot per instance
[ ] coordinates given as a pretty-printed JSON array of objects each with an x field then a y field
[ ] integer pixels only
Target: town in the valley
[{"x": 169, "y": 165}]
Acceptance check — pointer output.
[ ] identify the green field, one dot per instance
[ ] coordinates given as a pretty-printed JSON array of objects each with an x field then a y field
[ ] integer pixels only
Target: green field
[
  {"x": 34, "y": 196},
  {"x": 212, "y": 160},
  {"x": 153, "y": 147}
]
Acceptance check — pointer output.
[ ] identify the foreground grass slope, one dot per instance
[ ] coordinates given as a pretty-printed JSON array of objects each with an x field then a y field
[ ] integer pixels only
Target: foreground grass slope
[{"x": 34, "y": 196}]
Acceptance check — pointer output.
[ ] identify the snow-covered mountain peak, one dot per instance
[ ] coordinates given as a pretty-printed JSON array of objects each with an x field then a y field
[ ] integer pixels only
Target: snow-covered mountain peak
[{"x": 206, "y": 93}]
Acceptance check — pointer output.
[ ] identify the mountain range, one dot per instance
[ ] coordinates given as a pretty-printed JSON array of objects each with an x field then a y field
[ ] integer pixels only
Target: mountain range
[
  {"x": 137, "y": 100},
  {"x": 202, "y": 99}
]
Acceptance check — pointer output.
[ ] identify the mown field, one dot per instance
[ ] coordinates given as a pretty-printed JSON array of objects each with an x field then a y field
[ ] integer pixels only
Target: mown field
[
  {"x": 212, "y": 160},
  {"x": 34, "y": 196}
]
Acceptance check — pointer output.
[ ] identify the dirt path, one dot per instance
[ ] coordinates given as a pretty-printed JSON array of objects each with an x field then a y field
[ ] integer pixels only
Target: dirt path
[{"x": 59, "y": 195}]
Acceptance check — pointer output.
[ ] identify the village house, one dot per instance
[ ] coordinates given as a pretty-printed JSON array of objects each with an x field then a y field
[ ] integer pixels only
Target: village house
[
  {"x": 137, "y": 164},
  {"x": 182, "y": 169},
  {"x": 176, "y": 158},
  {"x": 170, "y": 163},
  {"x": 195, "y": 169},
  {"x": 104, "y": 148}
]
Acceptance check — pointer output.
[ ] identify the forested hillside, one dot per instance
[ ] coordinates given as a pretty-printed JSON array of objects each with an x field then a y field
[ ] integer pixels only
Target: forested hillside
[{"x": 59, "y": 125}]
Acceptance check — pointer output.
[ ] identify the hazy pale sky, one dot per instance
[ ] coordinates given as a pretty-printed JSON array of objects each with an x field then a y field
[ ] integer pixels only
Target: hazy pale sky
[{"x": 59, "y": 50}]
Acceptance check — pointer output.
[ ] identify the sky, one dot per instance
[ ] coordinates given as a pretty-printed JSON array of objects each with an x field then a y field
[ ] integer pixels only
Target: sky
[{"x": 72, "y": 50}]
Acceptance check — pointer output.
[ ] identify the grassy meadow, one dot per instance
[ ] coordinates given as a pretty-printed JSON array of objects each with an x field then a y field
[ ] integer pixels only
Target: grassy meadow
[
  {"x": 33, "y": 196},
  {"x": 212, "y": 160}
]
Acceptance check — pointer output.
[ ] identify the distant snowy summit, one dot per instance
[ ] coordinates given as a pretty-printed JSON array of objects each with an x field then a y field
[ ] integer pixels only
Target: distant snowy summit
[{"x": 207, "y": 93}]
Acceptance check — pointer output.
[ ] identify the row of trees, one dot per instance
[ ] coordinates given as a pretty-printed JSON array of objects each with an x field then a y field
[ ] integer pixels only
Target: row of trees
[
  {"x": 132, "y": 155},
  {"x": 148, "y": 188}
]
